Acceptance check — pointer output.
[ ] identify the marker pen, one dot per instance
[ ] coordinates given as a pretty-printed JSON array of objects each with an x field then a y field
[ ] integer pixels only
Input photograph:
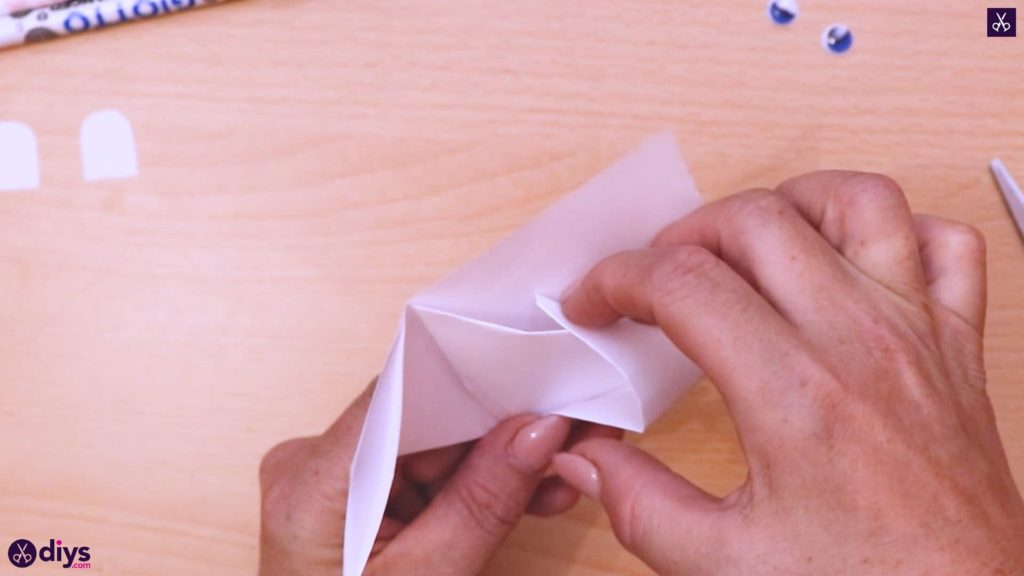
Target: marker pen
[
  {"x": 75, "y": 16},
  {"x": 12, "y": 6}
]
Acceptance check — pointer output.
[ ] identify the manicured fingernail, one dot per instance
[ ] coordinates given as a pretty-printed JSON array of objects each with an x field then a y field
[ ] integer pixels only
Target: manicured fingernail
[
  {"x": 535, "y": 444},
  {"x": 579, "y": 473}
]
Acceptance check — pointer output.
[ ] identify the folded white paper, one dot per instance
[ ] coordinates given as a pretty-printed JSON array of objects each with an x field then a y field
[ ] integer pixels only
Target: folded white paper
[{"x": 490, "y": 341}]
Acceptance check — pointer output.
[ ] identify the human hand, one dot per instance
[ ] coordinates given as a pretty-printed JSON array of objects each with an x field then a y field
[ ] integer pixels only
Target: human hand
[
  {"x": 449, "y": 508},
  {"x": 845, "y": 335}
]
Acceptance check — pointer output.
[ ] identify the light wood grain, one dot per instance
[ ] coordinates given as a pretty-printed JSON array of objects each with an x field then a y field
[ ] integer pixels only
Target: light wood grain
[{"x": 307, "y": 166}]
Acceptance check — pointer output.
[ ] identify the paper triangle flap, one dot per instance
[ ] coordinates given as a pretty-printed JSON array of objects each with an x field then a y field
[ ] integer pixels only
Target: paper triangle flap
[{"x": 513, "y": 372}]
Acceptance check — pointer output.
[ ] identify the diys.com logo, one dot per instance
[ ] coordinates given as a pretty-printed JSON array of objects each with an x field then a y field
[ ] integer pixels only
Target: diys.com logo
[{"x": 23, "y": 553}]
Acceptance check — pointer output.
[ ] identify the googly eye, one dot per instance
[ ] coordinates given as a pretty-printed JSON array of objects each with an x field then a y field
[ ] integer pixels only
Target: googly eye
[
  {"x": 783, "y": 11},
  {"x": 837, "y": 38}
]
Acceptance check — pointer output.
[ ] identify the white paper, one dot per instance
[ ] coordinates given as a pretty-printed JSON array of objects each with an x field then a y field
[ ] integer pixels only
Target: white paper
[
  {"x": 19, "y": 157},
  {"x": 490, "y": 341},
  {"x": 108, "y": 147}
]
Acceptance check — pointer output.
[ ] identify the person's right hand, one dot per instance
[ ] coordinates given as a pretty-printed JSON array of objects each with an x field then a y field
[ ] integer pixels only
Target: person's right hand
[{"x": 845, "y": 335}]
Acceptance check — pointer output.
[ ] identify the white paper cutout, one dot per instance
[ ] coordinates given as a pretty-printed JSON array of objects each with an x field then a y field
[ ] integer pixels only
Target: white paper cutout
[
  {"x": 108, "y": 147},
  {"x": 490, "y": 341},
  {"x": 19, "y": 157}
]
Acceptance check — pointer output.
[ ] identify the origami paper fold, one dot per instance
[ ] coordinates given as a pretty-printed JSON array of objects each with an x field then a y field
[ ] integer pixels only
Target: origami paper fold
[{"x": 490, "y": 341}]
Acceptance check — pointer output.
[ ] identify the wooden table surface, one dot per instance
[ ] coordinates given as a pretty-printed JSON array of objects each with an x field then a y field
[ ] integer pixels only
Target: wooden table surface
[{"x": 307, "y": 166}]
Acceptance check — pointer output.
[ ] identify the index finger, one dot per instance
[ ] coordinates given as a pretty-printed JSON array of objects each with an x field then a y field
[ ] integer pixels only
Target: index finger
[{"x": 752, "y": 354}]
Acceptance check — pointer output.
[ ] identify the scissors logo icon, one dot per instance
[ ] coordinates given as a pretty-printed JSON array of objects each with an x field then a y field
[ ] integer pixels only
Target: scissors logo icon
[
  {"x": 1002, "y": 24},
  {"x": 21, "y": 553},
  {"x": 1002, "y": 21},
  {"x": 23, "y": 556}
]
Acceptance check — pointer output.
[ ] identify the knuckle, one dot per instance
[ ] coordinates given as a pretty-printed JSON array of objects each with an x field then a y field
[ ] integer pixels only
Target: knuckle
[
  {"x": 679, "y": 269},
  {"x": 630, "y": 516},
  {"x": 489, "y": 509},
  {"x": 870, "y": 191},
  {"x": 278, "y": 462},
  {"x": 609, "y": 271},
  {"x": 889, "y": 344},
  {"x": 294, "y": 496},
  {"x": 755, "y": 208},
  {"x": 283, "y": 494},
  {"x": 269, "y": 465},
  {"x": 276, "y": 502},
  {"x": 967, "y": 240}
]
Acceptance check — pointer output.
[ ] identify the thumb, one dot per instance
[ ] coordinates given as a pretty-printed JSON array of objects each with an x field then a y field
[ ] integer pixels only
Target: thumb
[
  {"x": 656, "y": 514},
  {"x": 483, "y": 501}
]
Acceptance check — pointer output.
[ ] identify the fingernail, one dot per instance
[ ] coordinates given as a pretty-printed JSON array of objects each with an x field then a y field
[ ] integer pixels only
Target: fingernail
[
  {"x": 579, "y": 473},
  {"x": 535, "y": 444},
  {"x": 571, "y": 288}
]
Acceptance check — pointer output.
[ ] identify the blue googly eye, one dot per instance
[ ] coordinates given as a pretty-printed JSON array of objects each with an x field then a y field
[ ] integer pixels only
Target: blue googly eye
[
  {"x": 837, "y": 39},
  {"x": 783, "y": 11}
]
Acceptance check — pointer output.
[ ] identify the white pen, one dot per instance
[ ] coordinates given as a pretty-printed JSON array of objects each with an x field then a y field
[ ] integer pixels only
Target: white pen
[
  {"x": 1011, "y": 193},
  {"x": 76, "y": 16},
  {"x": 12, "y": 6}
]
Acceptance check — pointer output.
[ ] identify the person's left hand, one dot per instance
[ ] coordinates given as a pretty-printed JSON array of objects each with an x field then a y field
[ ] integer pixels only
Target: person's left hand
[{"x": 449, "y": 509}]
